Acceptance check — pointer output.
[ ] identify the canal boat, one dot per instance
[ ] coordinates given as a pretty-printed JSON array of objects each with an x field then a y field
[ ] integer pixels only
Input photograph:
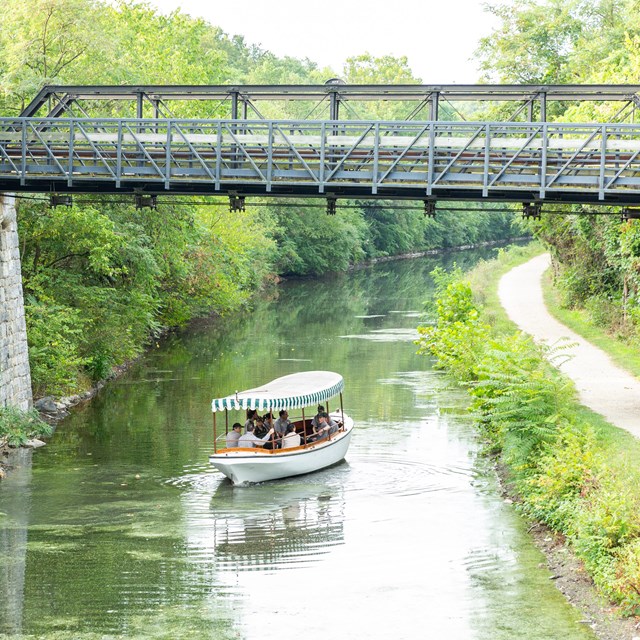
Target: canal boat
[{"x": 293, "y": 392}]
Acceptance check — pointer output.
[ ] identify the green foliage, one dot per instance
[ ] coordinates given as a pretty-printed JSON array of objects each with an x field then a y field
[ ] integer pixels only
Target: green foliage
[
  {"x": 625, "y": 577},
  {"x": 311, "y": 243},
  {"x": 42, "y": 41},
  {"x": 566, "y": 475},
  {"x": 604, "y": 525},
  {"x": 532, "y": 43},
  {"x": 588, "y": 246},
  {"x": 579, "y": 479},
  {"x": 457, "y": 340},
  {"x": 521, "y": 399},
  {"x": 101, "y": 280},
  {"x": 54, "y": 334},
  {"x": 558, "y": 41},
  {"x": 17, "y": 427}
]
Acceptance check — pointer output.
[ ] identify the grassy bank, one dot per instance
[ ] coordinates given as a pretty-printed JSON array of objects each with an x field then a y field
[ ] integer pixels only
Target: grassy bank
[
  {"x": 579, "y": 320},
  {"x": 569, "y": 468},
  {"x": 18, "y": 427}
]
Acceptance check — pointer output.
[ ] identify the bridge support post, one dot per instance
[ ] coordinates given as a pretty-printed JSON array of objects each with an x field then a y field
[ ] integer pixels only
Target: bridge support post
[
  {"x": 434, "y": 105},
  {"x": 15, "y": 374}
]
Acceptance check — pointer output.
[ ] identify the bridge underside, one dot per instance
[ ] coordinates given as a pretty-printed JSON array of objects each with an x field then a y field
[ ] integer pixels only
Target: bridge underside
[
  {"x": 145, "y": 187},
  {"x": 517, "y": 162}
]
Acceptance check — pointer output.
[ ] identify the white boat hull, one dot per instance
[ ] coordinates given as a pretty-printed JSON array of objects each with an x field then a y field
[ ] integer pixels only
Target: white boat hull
[{"x": 257, "y": 465}]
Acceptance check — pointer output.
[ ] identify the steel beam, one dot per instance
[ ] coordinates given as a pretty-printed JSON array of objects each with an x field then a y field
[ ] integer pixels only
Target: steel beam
[{"x": 355, "y": 93}]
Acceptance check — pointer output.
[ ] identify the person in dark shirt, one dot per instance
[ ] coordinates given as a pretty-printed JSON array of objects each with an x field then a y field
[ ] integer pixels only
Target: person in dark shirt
[
  {"x": 252, "y": 414},
  {"x": 326, "y": 427},
  {"x": 260, "y": 429}
]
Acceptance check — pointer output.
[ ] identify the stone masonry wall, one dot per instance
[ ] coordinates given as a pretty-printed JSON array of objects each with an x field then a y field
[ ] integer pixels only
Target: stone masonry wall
[{"x": 15, "y": 375}]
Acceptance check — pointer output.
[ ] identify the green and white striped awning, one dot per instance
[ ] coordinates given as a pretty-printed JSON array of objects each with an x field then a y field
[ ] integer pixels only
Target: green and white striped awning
[{"x": 289, "y": 392}]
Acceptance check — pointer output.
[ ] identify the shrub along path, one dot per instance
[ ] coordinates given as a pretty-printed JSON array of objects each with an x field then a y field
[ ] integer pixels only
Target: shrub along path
[{"x": 602, "y": 386}]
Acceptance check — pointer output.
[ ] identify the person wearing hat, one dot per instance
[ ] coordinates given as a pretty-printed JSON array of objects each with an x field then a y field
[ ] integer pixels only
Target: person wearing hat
[
  {"x": 326, "y": 427},
  {"x": 234, "y": 435}
]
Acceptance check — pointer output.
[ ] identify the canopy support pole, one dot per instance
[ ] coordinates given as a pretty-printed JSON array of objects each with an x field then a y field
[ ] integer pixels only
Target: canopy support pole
[
  {"x": 215, "y": 447},
  {"x": 341, "y": 410}
]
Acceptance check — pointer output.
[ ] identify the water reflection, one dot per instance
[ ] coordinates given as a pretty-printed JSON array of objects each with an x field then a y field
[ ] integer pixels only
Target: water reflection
[
  {"x": 15, "y": 498},
  {"x": 262, "y": 528}
]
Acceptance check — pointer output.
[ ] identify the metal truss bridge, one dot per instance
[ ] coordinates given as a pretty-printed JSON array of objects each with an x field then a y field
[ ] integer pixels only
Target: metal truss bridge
[{"x": 157, "y": 153}]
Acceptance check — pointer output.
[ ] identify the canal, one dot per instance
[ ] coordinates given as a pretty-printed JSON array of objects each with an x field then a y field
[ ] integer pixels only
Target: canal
[{"x": 120, "y": 529}]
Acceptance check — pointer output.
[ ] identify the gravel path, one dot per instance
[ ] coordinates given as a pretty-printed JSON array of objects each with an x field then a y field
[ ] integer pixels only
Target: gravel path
[{"x": 603, "y": 386}]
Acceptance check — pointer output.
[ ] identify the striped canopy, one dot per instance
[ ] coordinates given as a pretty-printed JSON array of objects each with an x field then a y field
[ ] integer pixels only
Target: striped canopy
[{"x": 289, "y": 392}]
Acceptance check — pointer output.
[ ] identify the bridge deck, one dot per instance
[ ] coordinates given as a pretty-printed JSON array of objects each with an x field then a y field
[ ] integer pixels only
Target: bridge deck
[{"x": 597, "y": 163}]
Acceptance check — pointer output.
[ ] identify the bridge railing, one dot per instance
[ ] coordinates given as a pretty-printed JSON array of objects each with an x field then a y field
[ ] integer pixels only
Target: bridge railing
[{"x": 595, "y": 162}]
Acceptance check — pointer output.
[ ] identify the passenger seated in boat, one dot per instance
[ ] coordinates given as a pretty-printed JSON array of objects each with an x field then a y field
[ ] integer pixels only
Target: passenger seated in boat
[
  {"x": 291, "y": 438},
  {"x": 314, "y": 421},
  {"x": 268, "y": 420},
  {"x": 250, "y": 440},
  {"x": 281, "y": 424},
  {"x": 234, "y": 435},
  {"x": 252, "y": 414},
  {"x": 260, "y": 429},
  {"x": 326, "y": 427},
  {"x": 273, "y": 442}
]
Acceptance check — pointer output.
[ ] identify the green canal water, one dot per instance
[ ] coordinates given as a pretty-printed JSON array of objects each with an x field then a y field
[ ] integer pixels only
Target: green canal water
[{"x": 119, "y": 528}]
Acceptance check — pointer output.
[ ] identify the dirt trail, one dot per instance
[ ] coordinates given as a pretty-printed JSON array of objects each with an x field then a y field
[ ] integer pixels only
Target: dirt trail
[{"x": 603, "y": 386}]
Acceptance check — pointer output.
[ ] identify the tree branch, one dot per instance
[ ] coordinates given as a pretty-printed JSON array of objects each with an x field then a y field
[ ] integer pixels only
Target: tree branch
[{"x": 69, "y": 255}]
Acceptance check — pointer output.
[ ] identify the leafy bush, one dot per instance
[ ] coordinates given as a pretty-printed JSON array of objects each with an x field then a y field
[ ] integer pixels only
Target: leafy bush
[
  {"x": 625, "y": 582},
  {"x": 607, "y": 521},
  {"x": 54, "y": 334},
  {"x": 458, "y": 338},
  {"x": 566, "y": 475},
  {"x": 17, "y": 427},
  {"x": 520, "y": 398}
]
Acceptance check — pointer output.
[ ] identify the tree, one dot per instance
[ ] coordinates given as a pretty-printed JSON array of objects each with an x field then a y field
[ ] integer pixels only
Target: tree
[
  {"x": 42, "y": 40},
  {"x": 533, "y": 43}
]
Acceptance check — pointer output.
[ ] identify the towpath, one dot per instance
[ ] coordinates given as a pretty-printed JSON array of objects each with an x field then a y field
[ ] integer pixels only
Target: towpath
[{"x": 602, "y": 385}]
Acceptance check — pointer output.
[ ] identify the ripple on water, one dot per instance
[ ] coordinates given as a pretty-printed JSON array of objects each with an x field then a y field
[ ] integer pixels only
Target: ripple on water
[
  {"x": 482, "y": 559},
  {"x": 290, "y": 523},
  {"x": 396, "y": 474},
  {"x": 198, "y": 479},
  {"x": 265, "y": 527},
  {"x": 386, "y": 335}
]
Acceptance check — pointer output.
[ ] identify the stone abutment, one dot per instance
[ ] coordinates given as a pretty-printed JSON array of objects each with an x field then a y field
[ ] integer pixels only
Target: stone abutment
[{"x": 15, "y": 375}]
